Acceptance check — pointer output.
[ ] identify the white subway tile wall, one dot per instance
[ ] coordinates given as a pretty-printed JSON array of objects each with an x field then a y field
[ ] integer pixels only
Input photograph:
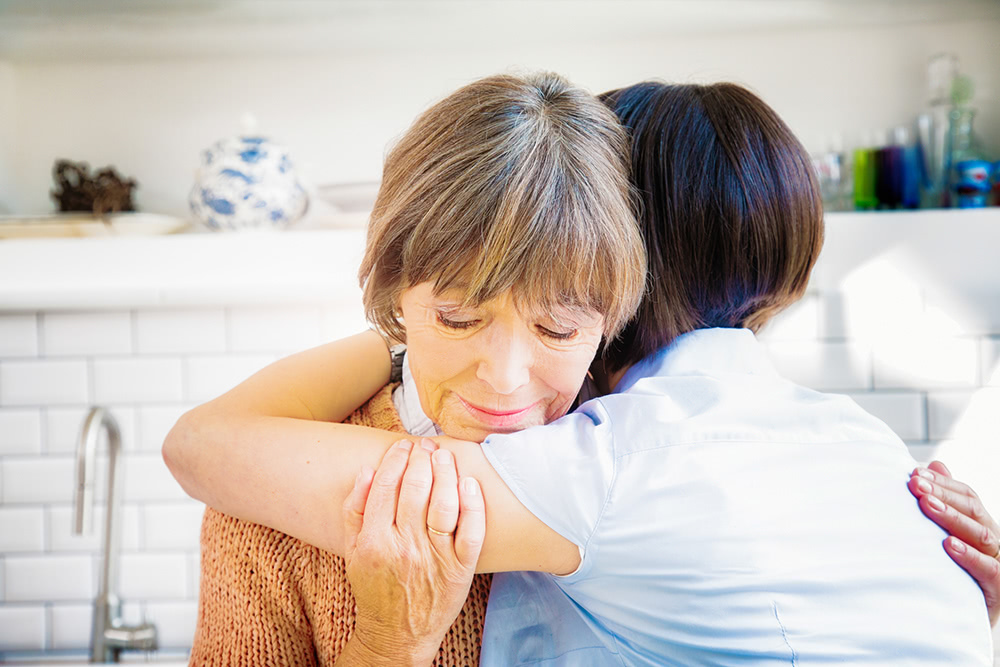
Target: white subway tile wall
[
  {"x": 86, "y": 334},
  {"x": 181, "y": 331},
  {"x": 19, "y": 335},
  {"x": 150, "y": 366},
  {"x": 20, "y": 431}
]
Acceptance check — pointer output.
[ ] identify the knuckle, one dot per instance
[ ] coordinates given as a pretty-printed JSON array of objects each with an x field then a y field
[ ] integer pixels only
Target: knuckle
[
  {"x": 474, "y": 510},
  {"x": 970, "y": 493},
  {"x": 988, "y": 540},
  {"x": 386, "y": 481},
  {"x": 977, "y": 512},
  {"x": 368, "y": 550},
  {"x": 444, "y": 507},
  {"x": 474, "y": 541},
  {"x": 993, "y": 575},
  {"x": 417, "y": 482},
  {"x": 409, "y": 552}
]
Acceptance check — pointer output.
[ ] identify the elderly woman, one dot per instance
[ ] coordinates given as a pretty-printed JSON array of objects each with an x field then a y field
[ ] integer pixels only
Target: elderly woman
[
  {"x": 509, "y": 196},
  {"x": 654, "y": 503}
]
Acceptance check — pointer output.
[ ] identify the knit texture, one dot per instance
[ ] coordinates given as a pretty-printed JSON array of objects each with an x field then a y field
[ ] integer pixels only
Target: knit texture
[{"x": 267, "y": 598}]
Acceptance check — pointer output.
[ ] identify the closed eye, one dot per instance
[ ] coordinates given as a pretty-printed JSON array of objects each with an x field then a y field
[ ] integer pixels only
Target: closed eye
[
  {"x": 456, "y": 324},
  {"x": 557, "y": 335}
]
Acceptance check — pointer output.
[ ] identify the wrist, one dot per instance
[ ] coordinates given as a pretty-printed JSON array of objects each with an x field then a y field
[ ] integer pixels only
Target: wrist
[{"x": 376, "y": 651}]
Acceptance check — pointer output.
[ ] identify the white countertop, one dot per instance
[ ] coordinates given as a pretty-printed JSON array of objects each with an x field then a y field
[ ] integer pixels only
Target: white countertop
[
  {"x": 960, "y": 249},
  {"x": 179, "y": 270}
]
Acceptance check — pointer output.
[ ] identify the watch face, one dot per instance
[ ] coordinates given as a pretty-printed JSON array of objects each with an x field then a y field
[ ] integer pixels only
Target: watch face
[{"x": 397, "y": 354}]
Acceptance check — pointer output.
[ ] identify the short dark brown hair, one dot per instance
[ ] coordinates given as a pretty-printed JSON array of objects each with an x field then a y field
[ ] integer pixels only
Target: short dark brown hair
[
  {"x": 731, "y": 212},
  {"x": 510, "y": 183}
]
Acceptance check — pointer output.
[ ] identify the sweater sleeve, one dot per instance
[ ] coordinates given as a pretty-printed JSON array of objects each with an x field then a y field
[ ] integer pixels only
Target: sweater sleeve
[{"x": 250, "y": 608}]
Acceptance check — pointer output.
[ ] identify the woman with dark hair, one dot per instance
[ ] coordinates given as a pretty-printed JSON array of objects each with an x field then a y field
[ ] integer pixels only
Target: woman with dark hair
[{"x": 701, "y": 510}]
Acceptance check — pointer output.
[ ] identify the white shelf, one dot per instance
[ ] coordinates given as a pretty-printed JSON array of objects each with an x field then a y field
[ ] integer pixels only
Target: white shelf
[
  {"x": 180, "y": 270},
  {"x": 960, "y": 249}
]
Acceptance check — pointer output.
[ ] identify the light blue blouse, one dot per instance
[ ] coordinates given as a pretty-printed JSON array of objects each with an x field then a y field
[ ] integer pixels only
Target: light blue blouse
[{"x": 727, "y": 516}]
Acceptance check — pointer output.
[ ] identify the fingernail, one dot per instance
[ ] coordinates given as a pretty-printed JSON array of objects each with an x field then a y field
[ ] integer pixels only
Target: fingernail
[
  {"x": 441, "y": 456},
  {"x": 427, "y": 445},
  {"x": 935, "y": 503},
  {"x": 957, "y": 545},
  {"x": 405, "y": 445},
  {"x": 470, "y": 486},
  {"x": 924, "y": 487},
  {"x": 925, "y": 473},
  {"x": 357, "y": 480}
]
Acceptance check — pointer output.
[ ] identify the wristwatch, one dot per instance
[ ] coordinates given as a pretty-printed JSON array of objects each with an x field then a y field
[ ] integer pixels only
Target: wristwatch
[{"x": 396, "y": 355}]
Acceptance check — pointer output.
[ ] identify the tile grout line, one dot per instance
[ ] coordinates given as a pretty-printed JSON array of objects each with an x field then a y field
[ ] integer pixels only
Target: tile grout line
[
  {"x": 46, "y": 529},
  {"x": 40, "y": 334},
  {"x": 133, "y": 316},
  {"x": 47, "y": 631},
  {"x": 927, "y": 415}
]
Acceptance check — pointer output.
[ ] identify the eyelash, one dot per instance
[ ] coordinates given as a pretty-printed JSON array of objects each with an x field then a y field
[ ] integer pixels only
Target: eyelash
[
  {"x": 468, "y": 324},
  {"x": 457, "y": 324},
  {"x": 557, "y": 335}
]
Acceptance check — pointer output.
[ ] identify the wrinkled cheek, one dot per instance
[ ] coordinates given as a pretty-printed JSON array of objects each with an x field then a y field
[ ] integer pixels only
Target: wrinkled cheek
[{"x": 557, "y": 409}]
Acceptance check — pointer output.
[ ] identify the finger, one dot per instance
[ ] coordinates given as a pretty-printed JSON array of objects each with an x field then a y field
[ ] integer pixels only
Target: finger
[
  {"x": 937, "y": 466},
  {"x": 964, "y": 528},
  {"x": 943, "y": 478},
  {"x": 953, "y": 493},
  {"x": 471, "y": 523},
  {"x": 380, "y": 510},
  {"x": 414, "y": 492},
  {"x": 442, "y": 514},
  {"x": 354, "y": 509},
  {"x": 985, "y": 570}
]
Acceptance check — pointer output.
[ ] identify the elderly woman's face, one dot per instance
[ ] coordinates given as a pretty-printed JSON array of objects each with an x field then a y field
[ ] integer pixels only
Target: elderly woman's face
[{"x": 493, "y": 368}]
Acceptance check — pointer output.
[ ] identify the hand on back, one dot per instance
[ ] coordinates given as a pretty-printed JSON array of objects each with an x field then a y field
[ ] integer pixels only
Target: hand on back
[{"x": 974, "y": 541}]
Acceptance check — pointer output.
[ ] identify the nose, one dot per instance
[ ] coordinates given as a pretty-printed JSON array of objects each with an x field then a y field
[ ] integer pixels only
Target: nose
[{"x": 505, "y": 362}]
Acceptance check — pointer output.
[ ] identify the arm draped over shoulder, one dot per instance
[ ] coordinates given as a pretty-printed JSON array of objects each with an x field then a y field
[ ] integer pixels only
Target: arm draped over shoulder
[{"x": 268, "y": 598}]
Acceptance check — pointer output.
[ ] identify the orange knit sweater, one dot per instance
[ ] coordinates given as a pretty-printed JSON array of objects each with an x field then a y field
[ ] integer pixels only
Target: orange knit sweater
[{"x": 270, "y": 599}]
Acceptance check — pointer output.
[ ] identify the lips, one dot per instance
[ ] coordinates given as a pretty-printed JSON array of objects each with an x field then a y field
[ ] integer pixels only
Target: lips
[{"x": 497, "y": 419}]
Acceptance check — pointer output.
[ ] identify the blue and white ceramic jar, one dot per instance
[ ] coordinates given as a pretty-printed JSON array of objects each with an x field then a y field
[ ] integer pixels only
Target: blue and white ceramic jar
[{"x": 246, "y": 183}]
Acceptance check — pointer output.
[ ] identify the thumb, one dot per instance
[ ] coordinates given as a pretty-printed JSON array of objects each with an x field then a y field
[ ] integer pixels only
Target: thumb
[{"x": 354, "y": 509}]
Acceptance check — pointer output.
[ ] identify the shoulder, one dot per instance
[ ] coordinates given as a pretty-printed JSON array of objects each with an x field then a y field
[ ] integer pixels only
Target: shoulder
[{"x": 379, "y": 411}]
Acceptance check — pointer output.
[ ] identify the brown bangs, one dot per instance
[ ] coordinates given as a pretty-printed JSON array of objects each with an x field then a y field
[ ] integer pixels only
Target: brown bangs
[{"x": 509, "y": 185}]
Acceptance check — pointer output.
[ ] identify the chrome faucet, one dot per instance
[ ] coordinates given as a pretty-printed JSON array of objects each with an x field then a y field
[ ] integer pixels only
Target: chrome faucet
[{"x": 109, "y": 636}]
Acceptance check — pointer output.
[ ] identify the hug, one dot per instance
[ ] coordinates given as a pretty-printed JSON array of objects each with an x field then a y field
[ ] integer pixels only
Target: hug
[{"x": 582, "y": 411}]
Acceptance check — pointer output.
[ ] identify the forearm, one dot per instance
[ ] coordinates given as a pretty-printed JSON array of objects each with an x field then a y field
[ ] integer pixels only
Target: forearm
[
  {"x": 288, "y": 474},
  {"x": 264, "y": 450}
]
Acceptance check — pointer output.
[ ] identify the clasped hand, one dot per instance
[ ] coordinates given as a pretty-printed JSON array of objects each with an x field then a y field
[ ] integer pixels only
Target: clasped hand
[{"x": 413, "y": 534}]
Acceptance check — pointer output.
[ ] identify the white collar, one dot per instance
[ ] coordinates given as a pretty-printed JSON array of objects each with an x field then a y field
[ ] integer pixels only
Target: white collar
[
  {"x": 407, "y": 402},
  {"x": 703, "y": 351}
]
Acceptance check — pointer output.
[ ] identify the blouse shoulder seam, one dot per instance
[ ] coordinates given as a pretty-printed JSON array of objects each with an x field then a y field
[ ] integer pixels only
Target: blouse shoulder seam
[{"x": 614, "y": 474}]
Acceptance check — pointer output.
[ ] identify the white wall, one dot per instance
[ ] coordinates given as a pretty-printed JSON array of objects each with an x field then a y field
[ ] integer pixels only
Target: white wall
[
  {"x": 7, "y": 133},
  {"x": 338, "y": 110}
]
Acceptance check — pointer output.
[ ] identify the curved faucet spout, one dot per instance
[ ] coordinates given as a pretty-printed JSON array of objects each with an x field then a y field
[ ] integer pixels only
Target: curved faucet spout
[{"x": 109, "y": 635}]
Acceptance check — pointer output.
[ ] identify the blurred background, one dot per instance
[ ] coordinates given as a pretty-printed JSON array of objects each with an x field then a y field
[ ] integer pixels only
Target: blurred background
[{"x": 147, "y": 313}]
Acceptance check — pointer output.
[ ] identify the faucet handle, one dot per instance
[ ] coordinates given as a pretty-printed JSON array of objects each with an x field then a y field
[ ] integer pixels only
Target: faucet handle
[{"x": 139, "y": 637}]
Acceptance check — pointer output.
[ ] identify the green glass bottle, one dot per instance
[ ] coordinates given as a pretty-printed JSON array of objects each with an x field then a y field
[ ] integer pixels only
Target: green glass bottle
[{"x": 864, "y": 180}]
